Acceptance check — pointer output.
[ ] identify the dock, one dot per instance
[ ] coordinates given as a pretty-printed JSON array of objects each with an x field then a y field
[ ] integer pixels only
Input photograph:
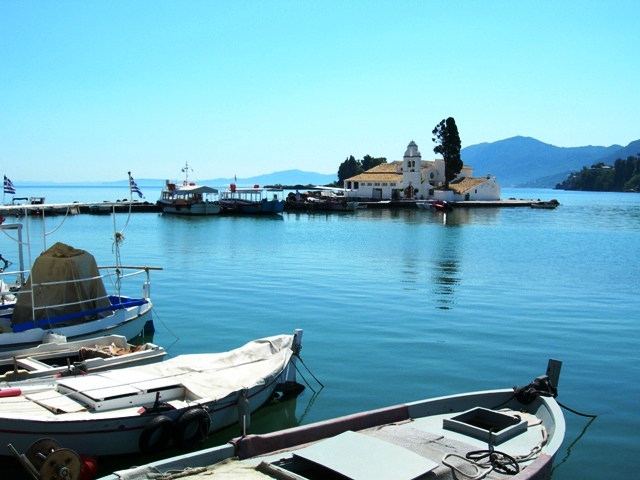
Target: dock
[{"x": 106, "y": 208}]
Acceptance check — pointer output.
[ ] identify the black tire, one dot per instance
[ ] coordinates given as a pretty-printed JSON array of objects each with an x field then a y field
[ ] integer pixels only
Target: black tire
[
  {"x": 156, "y": 434},
  {"x": 192, "y": 428}
]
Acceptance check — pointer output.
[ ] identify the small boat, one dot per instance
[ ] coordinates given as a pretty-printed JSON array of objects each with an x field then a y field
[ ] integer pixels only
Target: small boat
[
  {"x": 488, "y": 434},
  {"x": 253, "y": 201},
  {"x": 434, "y": 205},
  {"x": 143, "y": 409},
  {"x": 64, "y": 293},
  {"x": 189, "y": 198},
  {"x": 551, "y": 204},
  {"x": 57, "y": 357}
]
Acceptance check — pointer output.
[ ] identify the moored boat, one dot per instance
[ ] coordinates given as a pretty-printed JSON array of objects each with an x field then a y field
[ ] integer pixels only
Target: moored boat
[
  {"x": 434, "y": 205},
  {"x": 179, "y": 401},
  {"x": 58, "y": 357},
  {"x": 189, "y": 198},
  {"x": 253, "y": 200},
  {"x": 64, "y": 293},
  {"x": 488, "y": 434}
]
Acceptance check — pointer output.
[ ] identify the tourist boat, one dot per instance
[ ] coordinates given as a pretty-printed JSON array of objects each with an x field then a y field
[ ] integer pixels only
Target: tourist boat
[
  {"x": 253, "y": 201},
  {"x": 179, "y": 401},
  {"x": 189, "y": 198},
  {"x": 483, "y": 434},
  {"x": 64, "y": 293},
  {"x": 57, "y": 357}
]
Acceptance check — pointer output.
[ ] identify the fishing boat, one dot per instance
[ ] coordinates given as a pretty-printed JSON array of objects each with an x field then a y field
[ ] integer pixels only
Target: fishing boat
[
  {"x": 253, "y": 200},
  {"x": 511, "y": 433},
  {"x": 57, "y": 357},
  {"x": 179, "y": 401},
  {"x": 188, "y": 198},
  {"x": 64, "y": 292}
]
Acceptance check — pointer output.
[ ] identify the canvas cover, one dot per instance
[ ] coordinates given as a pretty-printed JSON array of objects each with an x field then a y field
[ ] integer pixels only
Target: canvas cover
[
  {"x": 216, "y": 375},
  {"x": 61, "y": 263}
]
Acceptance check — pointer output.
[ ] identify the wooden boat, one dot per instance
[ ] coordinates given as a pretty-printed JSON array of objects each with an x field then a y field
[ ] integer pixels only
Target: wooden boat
[
  {"x": 180, "y": 400},
  {"x": 189, "y": 198},
  {"x": 252, "y": 201},
  {"x": 58, "y": 357},
  {"x": 64, "y": 292},
  {"x": 472, "y": 435}
]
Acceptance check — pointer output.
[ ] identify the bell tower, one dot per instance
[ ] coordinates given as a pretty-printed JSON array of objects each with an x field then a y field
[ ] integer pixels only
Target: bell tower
[{"x": 411, "y": 171}]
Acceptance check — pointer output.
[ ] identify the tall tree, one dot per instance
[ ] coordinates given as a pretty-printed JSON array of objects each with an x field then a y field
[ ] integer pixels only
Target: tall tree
[
  {"x": 349, "y": 168},
  {"x": 448, "y": 145}
]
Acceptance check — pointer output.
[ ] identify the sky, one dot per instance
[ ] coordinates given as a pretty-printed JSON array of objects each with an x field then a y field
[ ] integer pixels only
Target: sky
[{"x": 92, "y": 89}]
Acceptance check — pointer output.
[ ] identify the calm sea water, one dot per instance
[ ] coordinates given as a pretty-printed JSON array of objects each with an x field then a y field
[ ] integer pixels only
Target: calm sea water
[{"x": 403, "y": 305}]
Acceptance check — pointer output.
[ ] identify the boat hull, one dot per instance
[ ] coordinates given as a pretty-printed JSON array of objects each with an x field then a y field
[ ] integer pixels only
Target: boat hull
[
  {"x": 128, "y": 322},
  {"x": 267, "y": 207},
  {"x": 118, "y": 412},
  {"x": 417, "y": 429},
  {"x": 205, "y": 208},
  {"x": 108, "y": 435}
]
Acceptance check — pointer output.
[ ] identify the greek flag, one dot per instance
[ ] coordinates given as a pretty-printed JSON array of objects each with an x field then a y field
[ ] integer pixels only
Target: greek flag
[
  {"x": 133, "y": 187},
  {"x": 8, "y": 186}
]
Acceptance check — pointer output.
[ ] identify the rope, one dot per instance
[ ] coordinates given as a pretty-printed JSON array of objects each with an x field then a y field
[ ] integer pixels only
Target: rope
[
  {"x": 576, "y": 412},
  {"x": 305, "y": 366},
  {"x": 153, "y": 309}
]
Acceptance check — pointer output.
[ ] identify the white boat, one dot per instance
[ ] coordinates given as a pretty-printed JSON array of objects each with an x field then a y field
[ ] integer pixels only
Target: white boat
[
  {"x": 468, "y": 436},
  {"x": 253, "y": 200},
  {"x": 64, "y": 293},
  {"x": 19, "y": 368},
  {"x": 178, "y": 401},
  {"x": 189, "y": 198}
]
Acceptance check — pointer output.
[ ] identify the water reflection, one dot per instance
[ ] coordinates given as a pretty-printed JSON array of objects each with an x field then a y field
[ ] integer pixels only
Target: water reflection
[{"x": 446, "y": 259}]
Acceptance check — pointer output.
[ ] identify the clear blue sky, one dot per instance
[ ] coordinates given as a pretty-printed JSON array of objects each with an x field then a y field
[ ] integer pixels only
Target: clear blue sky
[{"x": 91, "y": 89}]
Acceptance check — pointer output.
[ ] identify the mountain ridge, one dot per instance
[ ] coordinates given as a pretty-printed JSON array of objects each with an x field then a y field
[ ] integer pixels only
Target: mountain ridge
[
  {"x": 515, "y": 162},
  {"x": 527, "y": 162}
]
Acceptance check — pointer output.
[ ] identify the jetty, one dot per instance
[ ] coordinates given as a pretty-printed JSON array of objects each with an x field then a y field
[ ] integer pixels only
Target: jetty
[{"x": 106, "y": 208}]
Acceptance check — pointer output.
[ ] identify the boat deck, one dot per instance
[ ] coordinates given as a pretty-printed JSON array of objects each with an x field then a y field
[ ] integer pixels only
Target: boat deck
[{"x": 411, "y": 449}]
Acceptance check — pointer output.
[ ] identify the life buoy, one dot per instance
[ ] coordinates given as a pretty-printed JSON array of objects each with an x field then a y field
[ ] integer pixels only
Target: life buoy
[
  {"x": 156, "y": 434},
  {"x": 192, "y": 428}
]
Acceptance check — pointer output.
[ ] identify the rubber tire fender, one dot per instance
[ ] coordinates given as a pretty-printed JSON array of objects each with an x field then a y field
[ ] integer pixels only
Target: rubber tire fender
[
  {"x": 192, "y": 428},
  {"x": 156, "y": 434}
]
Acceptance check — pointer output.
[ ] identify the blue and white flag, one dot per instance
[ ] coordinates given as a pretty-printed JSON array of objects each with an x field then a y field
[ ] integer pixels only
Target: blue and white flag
[
  {"x": 133, "y": 187},
  {"x": 8, "y": 186}
]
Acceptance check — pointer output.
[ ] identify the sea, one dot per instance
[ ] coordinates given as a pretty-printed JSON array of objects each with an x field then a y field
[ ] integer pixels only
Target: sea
[{"x": 401, "y": 305}]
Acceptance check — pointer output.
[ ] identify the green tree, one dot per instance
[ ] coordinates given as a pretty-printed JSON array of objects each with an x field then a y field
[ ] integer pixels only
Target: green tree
[
  {"x": 448, "y": 145},
  {"x": 368, "y": 162},
  {"x": 349, "y": 168},
  {"x": 623, "y": 176}
]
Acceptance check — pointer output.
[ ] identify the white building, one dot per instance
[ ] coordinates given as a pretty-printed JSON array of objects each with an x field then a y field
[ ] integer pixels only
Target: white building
[{"x": 417, "y": 179}]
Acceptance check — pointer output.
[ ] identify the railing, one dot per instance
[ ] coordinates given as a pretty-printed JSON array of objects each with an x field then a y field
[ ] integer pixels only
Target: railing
[{"x": 115, "y": 301}]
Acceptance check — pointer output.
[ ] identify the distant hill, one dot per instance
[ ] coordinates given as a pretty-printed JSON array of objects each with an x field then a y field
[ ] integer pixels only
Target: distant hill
[
  {"x": 631, "y": 150},
  {"x": 525, "y": 161},
  {"x": 285, "y": 177},
  {"x": 515, "y": 162}
]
